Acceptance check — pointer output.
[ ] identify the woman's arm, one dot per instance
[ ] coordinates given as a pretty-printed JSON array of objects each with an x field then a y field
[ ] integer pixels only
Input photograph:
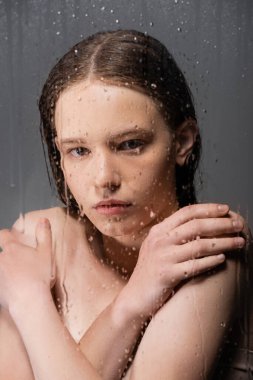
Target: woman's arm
[
  {"x": 52, "y": 352},
  {"x": 185, "y": 337},
  {"x": 157, "y": 272},
  {"x": 26, "y": 276},
  {"x": 48, "y": 354}
]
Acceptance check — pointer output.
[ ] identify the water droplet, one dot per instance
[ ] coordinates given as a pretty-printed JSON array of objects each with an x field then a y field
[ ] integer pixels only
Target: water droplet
[
  {"x": 58, "y": 33},
  {"x": 153, "y": 85},
  {"x": 151, "y": 23},
  {"x": 176, "y": 1},
  {"x": 102, "y": 8},
  {"x": 152, "y": 214},
  {"x": 179, "y": 29},
  {"x": 223, "y": 324},
  {"x": 58, "y": 12},
  {"x": 117, "y": 21}
]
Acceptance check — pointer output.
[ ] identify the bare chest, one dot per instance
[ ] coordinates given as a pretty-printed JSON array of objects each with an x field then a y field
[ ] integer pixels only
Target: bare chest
[{"x": 84, "y": 286}]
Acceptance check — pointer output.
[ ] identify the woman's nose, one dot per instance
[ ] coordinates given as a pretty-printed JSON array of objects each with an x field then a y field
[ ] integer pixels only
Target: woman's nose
[{"x": 106, "y": 173}]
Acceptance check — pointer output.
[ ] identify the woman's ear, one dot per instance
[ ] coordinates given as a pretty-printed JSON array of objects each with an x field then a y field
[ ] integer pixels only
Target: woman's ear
[{"x": 185, "y": 136}]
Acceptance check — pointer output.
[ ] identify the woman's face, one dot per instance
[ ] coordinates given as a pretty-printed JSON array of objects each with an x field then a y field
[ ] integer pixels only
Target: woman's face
[{"x": 117, "y": 155}]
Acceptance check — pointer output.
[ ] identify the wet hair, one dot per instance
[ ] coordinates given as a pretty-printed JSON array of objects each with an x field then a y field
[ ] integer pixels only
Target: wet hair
[{"x": 126, "y": 58}]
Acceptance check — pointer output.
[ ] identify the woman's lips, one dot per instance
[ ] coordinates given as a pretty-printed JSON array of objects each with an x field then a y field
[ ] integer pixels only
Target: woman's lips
[{"x": 112, "y": 207}]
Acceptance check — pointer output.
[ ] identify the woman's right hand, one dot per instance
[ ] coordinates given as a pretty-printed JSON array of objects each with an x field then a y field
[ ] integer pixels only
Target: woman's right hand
[{"x": 189, "y": 242}]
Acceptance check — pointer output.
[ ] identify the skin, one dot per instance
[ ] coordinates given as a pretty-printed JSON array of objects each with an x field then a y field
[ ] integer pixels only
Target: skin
[
  {"x": 156, "y": 252},
  {"x": 103, "y": 155},
  {"x": 95, "y": 140}
]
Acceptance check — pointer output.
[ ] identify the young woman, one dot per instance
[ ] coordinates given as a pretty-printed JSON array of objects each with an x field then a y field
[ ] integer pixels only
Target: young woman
[{"x": 130, "y": 279}]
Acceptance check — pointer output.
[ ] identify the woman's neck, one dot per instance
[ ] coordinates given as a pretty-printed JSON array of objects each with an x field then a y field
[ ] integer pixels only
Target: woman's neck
[{"x": 121, "y": 252}]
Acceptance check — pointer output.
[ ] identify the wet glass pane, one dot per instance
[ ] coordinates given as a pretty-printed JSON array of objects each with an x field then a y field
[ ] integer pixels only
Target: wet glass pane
[{"x": 211, "y": 40}]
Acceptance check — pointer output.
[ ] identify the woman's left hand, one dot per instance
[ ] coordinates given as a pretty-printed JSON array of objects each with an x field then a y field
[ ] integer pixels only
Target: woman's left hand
[{"x": 23, "y": 269}]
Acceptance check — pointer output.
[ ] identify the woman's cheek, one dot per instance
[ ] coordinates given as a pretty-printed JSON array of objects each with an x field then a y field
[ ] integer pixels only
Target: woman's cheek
[
  {"x": 79, "y": 182},
  {"x": 70, "y": 174}
]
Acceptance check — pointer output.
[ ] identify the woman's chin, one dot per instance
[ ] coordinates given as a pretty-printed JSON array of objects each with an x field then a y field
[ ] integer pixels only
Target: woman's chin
[{"x": 118, "y": 227}]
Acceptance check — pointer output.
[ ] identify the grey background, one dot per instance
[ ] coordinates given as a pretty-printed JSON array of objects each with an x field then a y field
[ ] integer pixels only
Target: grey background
[{"x": 212, "y": 40}]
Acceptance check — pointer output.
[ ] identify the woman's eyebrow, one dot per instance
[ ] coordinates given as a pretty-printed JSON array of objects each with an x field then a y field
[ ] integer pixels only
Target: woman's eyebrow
[
  {"x": 72, "y": 140},
  {"x": 131, "y": 132}
]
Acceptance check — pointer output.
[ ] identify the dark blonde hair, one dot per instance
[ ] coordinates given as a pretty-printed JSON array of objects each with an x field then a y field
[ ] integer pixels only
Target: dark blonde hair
[{"x": 128, "y": 58}]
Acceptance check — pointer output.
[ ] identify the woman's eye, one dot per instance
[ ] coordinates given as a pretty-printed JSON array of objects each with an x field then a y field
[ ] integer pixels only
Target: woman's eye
[
  {"x": 134, "y": 144},
  {"x": 79, "y": 152}
]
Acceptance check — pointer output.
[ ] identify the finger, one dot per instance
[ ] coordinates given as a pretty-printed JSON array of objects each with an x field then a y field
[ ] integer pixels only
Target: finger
[
  {"x": 194, "y": 267},
  {"x": 245, "y": 231},
  {"x": 197, "y": 211},
  {"x": 211, "y": 227},
  {"x": 13, "y": 246},
  {"x": 207, "y": 247},
  {"x": 44, "y": 235}
]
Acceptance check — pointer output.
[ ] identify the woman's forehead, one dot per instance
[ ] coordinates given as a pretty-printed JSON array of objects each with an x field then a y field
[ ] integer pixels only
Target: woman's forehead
[
  {"x": 87, "y": 107},
  {"x": 96, "y": 93}
]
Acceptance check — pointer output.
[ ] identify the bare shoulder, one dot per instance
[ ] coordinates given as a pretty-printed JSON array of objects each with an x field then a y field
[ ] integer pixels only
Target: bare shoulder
[
  {"x": 26, "y": 224},
  {"x": 183, "y": 339}
]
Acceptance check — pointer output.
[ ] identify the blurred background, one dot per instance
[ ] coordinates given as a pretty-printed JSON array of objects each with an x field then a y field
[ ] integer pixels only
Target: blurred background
[{"x": 212, "y": 41}]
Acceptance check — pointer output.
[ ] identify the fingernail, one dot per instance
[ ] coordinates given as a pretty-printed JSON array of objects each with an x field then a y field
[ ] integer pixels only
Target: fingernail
[
  {"x": 221, "y": 257},
  {"x": 223, "y": 208},
  {"x": 44, "y": 223},
  {"x": 237, "y": 225},
  {"x": 240, "y": 242}
]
